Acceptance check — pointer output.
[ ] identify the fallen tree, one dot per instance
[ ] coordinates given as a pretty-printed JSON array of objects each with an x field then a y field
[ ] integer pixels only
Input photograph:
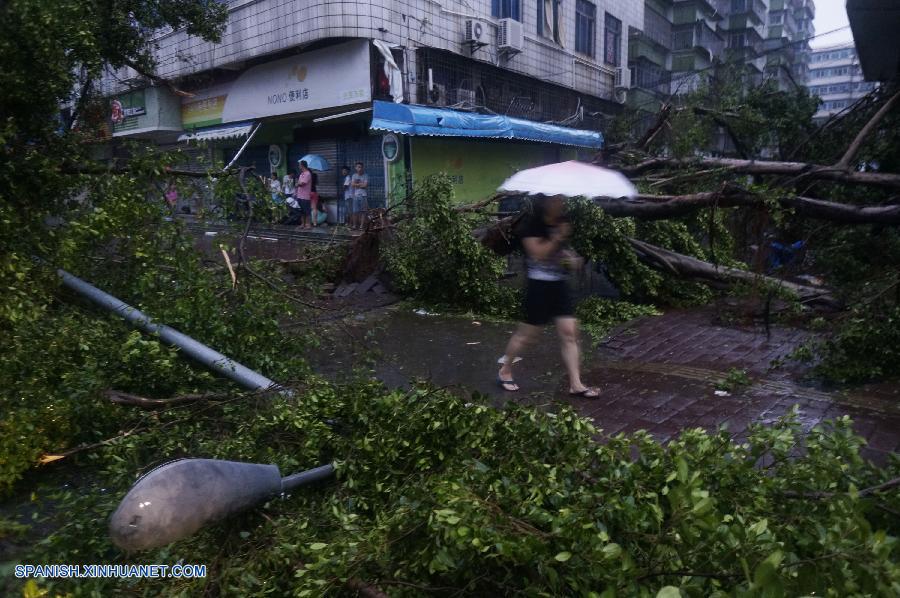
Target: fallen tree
[{"x": 657, "y": 207}]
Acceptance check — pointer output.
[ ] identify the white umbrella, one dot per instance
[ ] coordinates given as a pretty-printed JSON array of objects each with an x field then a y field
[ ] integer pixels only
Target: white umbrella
[{"x": 571, "y": 179}]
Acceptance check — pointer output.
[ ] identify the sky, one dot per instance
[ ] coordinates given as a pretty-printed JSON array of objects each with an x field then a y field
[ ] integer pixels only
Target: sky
[{"x": 830, "y": 15}]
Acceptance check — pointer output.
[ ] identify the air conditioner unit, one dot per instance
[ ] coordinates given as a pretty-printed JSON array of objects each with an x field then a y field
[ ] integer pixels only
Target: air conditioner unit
[
  {"x": 511, "y": 37},
  {"x": 623, "y": 77},
  {"x": 437, "y": 95},
  {"x": 476, "y": 31},
  {"x": 465, "y": 95}
]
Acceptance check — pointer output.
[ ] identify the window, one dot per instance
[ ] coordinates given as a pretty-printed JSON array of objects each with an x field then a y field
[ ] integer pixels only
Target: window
[
  {"x": 548, "y": 19},
  {"x": 613, "y": 41},
  {"x": 506, "y": 9},
  {"x": 738, "y": 5},
  {"x": 585, "y": 26},
  {"x": 737, "y": 40},
  {"x": 776, "y": 18}
]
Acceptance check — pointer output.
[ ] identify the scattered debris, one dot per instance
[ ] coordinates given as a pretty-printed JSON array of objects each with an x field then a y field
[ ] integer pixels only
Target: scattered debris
[
  {"x": 424, "y": 312},
  {"x": 475, "y": 343},
  {"x": 723, "y": 393}
]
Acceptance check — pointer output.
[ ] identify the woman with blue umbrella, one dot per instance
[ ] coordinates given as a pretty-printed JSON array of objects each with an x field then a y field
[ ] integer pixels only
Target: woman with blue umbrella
[{"x": 316, "y": 164}]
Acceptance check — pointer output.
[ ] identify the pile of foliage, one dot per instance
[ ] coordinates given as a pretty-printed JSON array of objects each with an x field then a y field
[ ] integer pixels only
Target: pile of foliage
[
  {"x": 434, "y": 256},
  {"x": 443, "y": 509},
  {"x": 724, "y": 116}
]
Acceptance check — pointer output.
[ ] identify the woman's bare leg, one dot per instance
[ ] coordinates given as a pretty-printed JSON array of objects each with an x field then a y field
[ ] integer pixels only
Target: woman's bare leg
[
  {"x": 521, "y": 338},
  {"x": 568, "y": 338}
]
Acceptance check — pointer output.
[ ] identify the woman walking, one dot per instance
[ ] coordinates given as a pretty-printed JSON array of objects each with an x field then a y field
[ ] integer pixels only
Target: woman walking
[{"x": 547, "y": 294}]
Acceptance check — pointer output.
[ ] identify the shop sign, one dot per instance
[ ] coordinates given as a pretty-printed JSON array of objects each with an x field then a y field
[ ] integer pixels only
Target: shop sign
[
  {"x": 331, "y": 77},
  {"x": 125, "y": 110}
]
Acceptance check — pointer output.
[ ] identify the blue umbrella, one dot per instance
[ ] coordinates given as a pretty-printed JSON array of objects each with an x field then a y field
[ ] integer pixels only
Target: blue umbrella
[{"x": 316, "y": 162}]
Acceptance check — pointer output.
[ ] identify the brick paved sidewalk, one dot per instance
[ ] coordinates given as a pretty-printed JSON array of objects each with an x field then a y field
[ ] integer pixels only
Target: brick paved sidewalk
[{"x": 659, "y": 375}]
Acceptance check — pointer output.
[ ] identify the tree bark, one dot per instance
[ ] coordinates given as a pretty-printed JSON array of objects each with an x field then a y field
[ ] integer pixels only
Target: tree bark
[
  {"x": 660, "y": 207},
  {"x": 692, "y": 268},
  {"x": 762, "y": 167}
]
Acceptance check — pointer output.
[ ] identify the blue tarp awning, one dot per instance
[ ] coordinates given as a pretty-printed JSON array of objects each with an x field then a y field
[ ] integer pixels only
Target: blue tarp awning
[{"x": 408, "y": 119}]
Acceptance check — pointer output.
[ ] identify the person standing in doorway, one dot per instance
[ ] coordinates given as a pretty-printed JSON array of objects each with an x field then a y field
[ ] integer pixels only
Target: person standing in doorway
[
  {"x": 288, "y": 186},
  {"x": 345, "y": 205},
  {"x": 172, "y": 195},
  {"x": 547, "y": 298},
  {"x": 275, "y": 188},
  {"x": 314, "y": 197},
  {"x": 303, "y": 190},
  {"x": 359, "y": 183}
]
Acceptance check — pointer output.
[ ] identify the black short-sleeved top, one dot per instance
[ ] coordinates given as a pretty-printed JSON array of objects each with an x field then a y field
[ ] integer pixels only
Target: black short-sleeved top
[{"x": 551, "y": 268}]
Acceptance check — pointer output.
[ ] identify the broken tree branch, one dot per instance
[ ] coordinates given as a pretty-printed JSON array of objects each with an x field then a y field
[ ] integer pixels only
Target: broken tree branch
[
  {"x": 693, "y": 268},
  {"x": 865, "y": 492},
  {"x": 853, "y": 149},
  {"x": 123, "y": 398},
  {"x": 658, "y": 207},
  {"x": 802, "y": 170},
  {"x": 157, "y": 79}
]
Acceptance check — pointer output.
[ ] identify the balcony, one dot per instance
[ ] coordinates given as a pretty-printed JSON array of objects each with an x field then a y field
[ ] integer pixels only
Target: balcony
[
  {"x": 697, "y": 37},
  {"x": 688, "y": 11},
  {"x": 646, "y": 75},
  {"x": 805, "y": 9},
  {"x": 657, "y": 28},
  {"x": 745, "y": 11}
]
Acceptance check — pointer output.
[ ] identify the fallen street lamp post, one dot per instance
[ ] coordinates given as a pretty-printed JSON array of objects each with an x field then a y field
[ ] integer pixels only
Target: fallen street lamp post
[{"x": 176, "y": 499}]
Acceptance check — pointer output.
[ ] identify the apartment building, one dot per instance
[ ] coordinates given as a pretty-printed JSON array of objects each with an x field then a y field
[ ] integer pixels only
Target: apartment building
[
  {"x": 680, "y": 40},
  {"x": 835, "y": 75},
  {"x": 475, "y": 88}
]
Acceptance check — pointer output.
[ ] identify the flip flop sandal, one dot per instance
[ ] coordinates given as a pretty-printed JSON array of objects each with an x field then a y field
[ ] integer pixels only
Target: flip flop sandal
[
  {"x": 587, "y": 393},
  {"x": 504, "y": 383}
]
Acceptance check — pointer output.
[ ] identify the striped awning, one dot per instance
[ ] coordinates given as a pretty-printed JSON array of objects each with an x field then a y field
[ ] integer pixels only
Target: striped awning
[{"x": 232, "y": 131}]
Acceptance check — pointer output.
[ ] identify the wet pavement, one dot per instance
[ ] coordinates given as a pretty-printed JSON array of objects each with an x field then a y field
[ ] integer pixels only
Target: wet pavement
[{"x": 657, "y": 374}]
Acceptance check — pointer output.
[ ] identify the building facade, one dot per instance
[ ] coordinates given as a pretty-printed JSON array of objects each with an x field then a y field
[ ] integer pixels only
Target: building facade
[
  {"x": 680, "y": 40},
  {"x": 310, "y": 73},
  {"x": 835, "y": 76}
]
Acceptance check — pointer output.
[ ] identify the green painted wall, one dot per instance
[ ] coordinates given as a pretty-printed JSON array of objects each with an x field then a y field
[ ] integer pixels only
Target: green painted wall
[{"x": 479, "y": 167}]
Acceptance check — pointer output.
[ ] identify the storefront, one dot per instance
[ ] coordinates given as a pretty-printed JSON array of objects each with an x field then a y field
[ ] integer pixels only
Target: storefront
[
  {"x": 477, "y": 151},
  {"x": 274, "y": 113}
]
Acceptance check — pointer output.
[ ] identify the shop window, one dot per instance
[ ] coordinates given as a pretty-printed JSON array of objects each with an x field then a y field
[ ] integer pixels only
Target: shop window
[
  {"x": 585, "y": 25},
  {"x": 613, "y": 40},
  {"x": 506, "y": 9}
]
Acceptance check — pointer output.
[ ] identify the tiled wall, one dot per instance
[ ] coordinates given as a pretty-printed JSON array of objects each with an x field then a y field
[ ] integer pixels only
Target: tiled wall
[{"x": 260, "y": 27}]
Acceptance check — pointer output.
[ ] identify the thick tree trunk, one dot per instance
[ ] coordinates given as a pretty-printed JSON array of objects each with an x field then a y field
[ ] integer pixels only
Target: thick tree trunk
[
  {"x": 660, "y": 207},
  {"x": 692, "y": 268},
  {"x": 801, "y": 170}
]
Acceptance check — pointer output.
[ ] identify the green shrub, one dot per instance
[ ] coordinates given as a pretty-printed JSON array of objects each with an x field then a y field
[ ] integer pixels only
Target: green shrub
[{"x": 480, "y": 501}]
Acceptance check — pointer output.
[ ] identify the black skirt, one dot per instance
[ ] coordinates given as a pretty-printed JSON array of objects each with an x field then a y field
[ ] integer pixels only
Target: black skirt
[{"x": 546, "y": 300}]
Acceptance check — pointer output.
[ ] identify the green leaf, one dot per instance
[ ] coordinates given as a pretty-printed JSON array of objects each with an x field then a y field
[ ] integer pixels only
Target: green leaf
[
  {"x": 766, "y": 573},
  {"x": 668, "y": 592},
  {"x": 562, "y": 557}
]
